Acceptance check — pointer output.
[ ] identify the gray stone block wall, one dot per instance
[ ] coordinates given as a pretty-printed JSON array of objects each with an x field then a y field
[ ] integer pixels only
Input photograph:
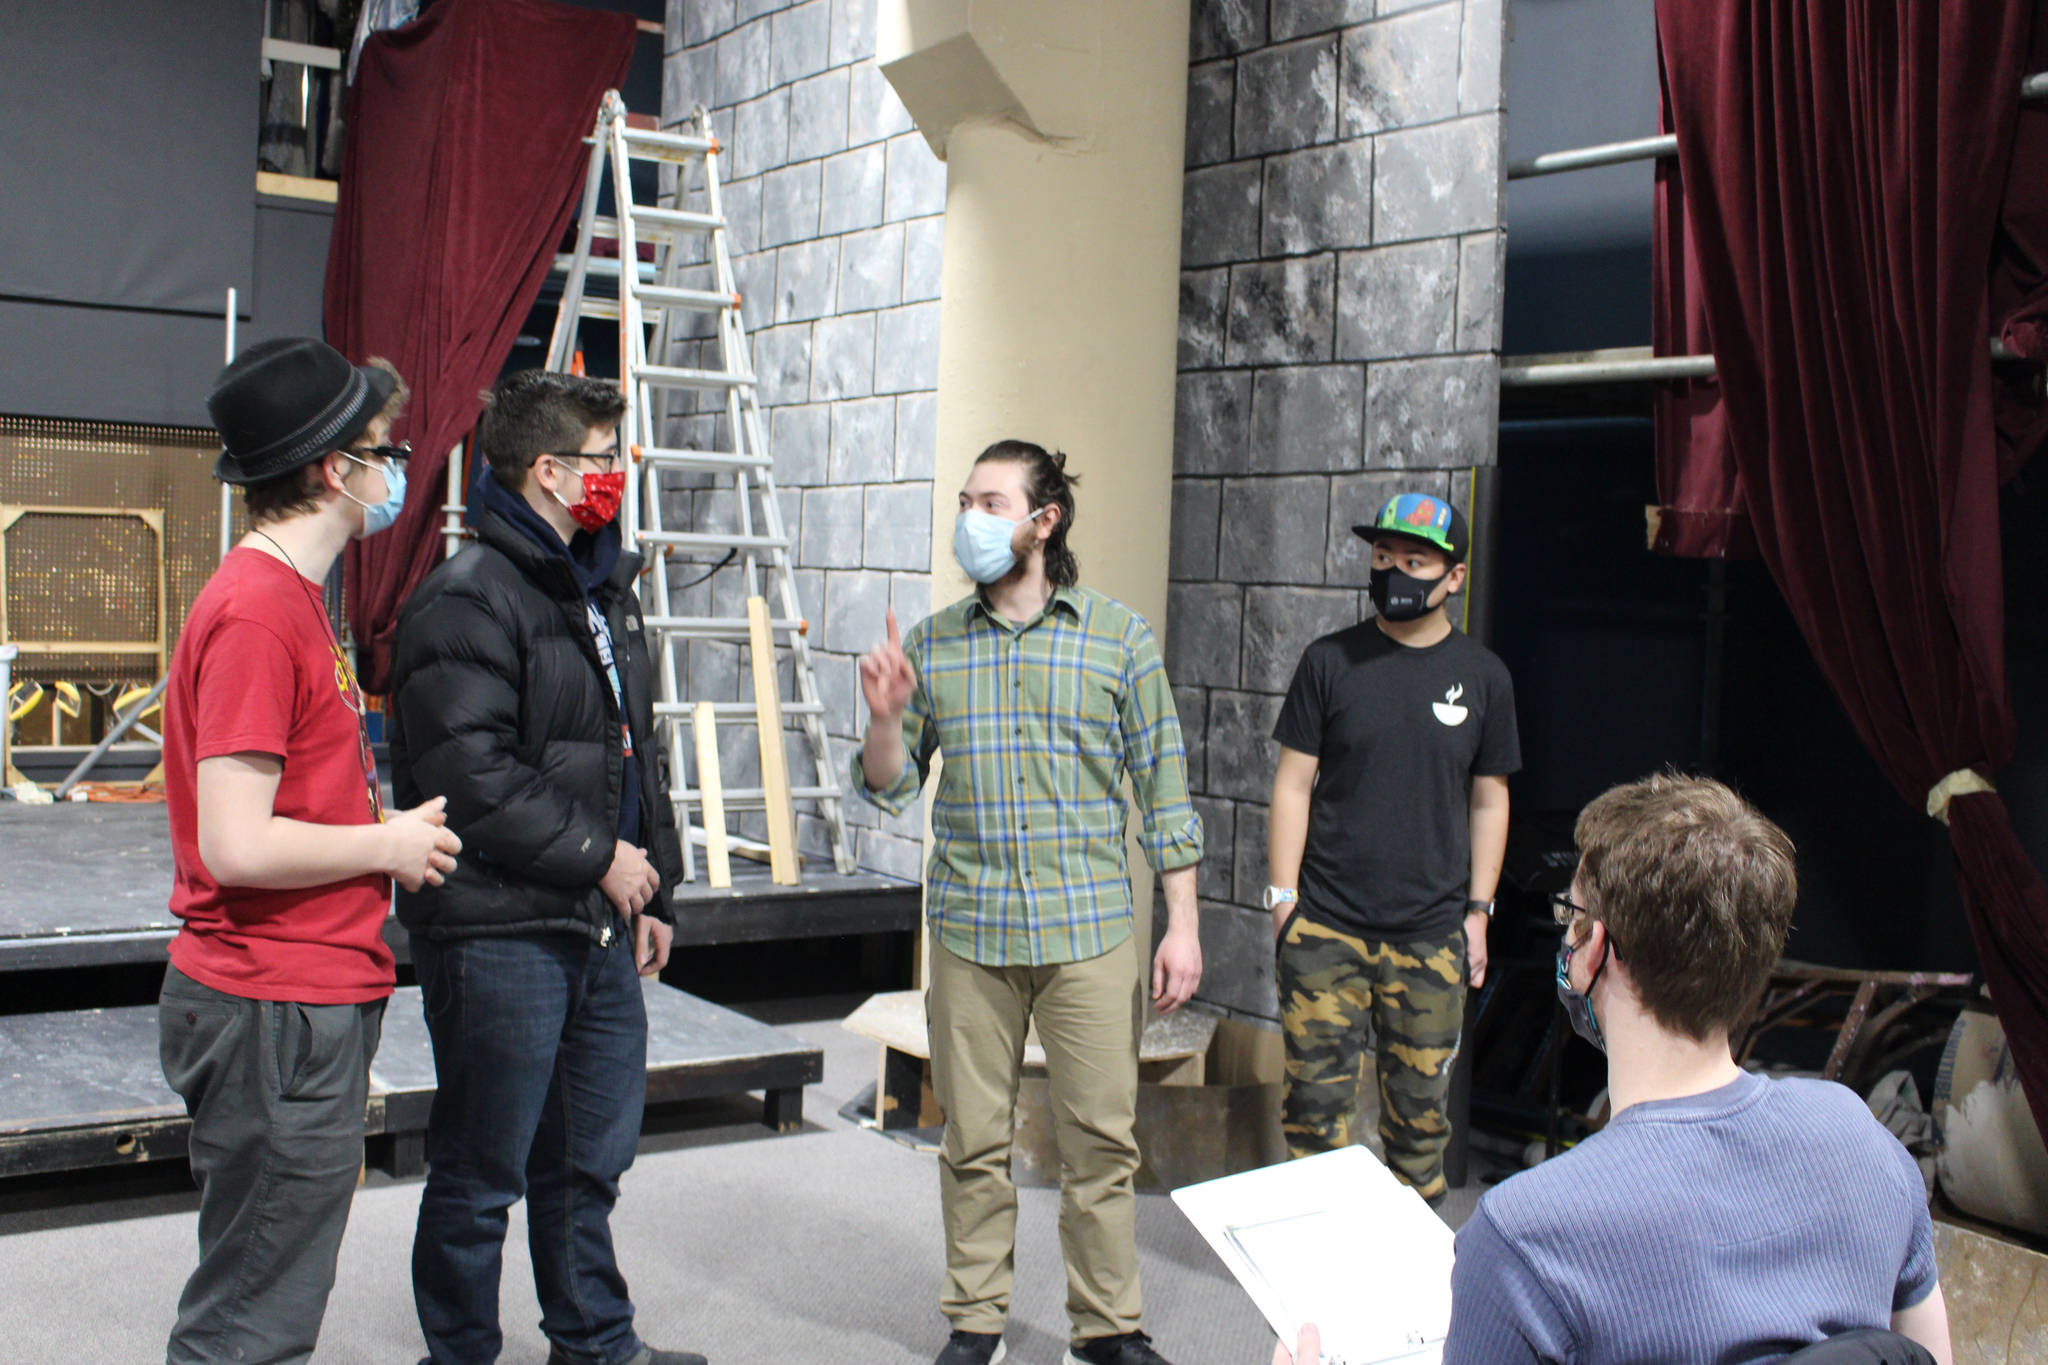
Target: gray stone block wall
[
  {"x": 1339, "y": 335},
  {"x": 834, "y": 208}
]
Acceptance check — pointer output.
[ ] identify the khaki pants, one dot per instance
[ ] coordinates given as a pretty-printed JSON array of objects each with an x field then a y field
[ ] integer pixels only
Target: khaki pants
[{"x": 1089, "y": 1018}]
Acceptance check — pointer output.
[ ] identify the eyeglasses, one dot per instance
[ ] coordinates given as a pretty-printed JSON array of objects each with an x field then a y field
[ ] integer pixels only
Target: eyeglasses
[
  {"x": 610, "y": 458},
  {"x": 1563, "y": 907},
  {"x": 398, "y": 453}
]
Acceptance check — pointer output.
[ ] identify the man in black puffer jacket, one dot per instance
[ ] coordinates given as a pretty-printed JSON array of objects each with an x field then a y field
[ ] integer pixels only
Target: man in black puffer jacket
[{"x": 523, "y": 694}]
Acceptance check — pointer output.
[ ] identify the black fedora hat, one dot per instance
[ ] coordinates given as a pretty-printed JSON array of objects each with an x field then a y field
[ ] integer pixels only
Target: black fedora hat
[{"x": 286, "y": 402}]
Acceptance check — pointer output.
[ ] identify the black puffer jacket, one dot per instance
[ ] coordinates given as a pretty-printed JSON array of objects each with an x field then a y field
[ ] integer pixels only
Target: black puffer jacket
[{"x": 499, "y": 704}]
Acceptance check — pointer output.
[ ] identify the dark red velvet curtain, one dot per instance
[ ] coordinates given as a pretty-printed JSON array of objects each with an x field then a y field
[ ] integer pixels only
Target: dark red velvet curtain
[
  {"x": 1843, "y": 164},
  {"x": 464, "y": 166}
]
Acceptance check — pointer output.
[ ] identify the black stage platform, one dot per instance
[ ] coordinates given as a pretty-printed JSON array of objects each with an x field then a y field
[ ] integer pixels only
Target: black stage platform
[
  {"x": 87, "y": 885},
  {"x": 84, "y": 1089}
]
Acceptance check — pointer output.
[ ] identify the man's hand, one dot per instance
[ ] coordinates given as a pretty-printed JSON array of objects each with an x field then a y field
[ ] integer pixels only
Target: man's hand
[
  {"x": 1176, "y": 969},
  {"x": 632, "y": 880},
  {"x": 651, "y": 939},
  {"x": 1308, "y": 1350},
  {"x": 886, "y": 678},
  {"x": 1475, "y": 946},
  {"x": 423, "y": 848}
]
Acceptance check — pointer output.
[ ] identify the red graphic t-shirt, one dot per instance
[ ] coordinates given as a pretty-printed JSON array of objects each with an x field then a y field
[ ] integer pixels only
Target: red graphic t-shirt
[{"x": 256, "y": 671}]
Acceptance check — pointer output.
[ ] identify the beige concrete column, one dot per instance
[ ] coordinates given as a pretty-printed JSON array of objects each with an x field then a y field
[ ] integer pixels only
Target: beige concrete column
[{"x": 1061, "y": 123}]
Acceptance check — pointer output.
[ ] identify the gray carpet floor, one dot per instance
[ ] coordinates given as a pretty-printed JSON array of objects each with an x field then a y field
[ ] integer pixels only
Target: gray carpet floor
[{"x": 818, "y": 1246}]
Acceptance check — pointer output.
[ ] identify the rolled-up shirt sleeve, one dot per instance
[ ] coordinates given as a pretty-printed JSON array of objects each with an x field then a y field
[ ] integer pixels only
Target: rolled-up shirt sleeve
[
  {"x": 920, "y": 742},
  {"x": 1156, "y": 756}
]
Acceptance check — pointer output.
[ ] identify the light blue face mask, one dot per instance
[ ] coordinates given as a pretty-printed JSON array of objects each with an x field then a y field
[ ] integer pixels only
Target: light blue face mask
[
  {"x": 981, "y": 542},
  {"x": 378, "y": 516}
]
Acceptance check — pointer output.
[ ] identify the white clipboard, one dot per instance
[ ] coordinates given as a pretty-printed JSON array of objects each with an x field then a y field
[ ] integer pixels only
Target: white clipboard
[{"x": 1335, "y": 1240}]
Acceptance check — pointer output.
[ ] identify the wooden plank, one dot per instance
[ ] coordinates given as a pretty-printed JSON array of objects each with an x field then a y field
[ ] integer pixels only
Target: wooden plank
[
  {"x": 711, "y": 796},
  {"x": 774, "y": 760},
  {"x": 298, "y": 187}
]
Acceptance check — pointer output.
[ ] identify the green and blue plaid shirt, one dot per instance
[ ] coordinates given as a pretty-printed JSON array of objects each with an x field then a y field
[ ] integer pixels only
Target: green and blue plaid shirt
[{"x": 1039, "y": 723}]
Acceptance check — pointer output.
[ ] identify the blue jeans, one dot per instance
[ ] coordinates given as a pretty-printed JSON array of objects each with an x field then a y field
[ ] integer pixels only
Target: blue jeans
[{"x": 540, "y": 1049}]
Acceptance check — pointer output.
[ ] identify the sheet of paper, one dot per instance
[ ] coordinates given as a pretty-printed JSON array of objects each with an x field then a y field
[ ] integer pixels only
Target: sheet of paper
[{"x": 1335, "y": 1240}]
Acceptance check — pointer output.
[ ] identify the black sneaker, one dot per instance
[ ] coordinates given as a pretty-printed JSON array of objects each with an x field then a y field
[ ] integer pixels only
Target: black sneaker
[
  {"x": 973, "y": 1348},
  {"x": 647, "y": 1355},
  {"x": 1132, "y": 1348}
]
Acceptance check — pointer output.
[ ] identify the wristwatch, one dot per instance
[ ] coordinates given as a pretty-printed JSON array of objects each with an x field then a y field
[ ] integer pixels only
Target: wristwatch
[
  {"x": 1474, "y": 907},
  {"x": 1277, "y": 896}
]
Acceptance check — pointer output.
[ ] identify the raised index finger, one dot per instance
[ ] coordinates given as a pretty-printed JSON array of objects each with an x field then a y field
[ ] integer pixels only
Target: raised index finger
[{"x": 895, "y": 640}]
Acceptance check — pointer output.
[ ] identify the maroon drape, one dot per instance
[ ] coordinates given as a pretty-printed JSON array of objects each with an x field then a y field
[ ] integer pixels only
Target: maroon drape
[
  {"x": 464, "y": 165},
  {"x": 1843, "y": 164}
]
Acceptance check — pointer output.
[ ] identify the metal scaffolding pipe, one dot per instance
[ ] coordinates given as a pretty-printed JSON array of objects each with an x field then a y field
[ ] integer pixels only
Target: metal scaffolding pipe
[{"x": 1630, "y": 365}]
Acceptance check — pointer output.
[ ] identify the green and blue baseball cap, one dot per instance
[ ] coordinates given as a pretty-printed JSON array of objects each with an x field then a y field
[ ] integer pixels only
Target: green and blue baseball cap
[{"x": 1419, "y": 516}]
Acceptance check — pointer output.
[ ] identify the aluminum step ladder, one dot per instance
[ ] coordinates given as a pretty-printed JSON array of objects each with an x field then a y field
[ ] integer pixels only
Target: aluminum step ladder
[{"x": 690, "y": 243}]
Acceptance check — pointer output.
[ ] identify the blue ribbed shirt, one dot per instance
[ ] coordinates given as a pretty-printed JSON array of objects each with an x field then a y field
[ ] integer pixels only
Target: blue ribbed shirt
[{"x": 1729, "y": 1228}]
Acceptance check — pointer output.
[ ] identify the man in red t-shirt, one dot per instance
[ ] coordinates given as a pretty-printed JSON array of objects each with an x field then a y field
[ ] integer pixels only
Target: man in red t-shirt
[{"x": 274, "y": 999}]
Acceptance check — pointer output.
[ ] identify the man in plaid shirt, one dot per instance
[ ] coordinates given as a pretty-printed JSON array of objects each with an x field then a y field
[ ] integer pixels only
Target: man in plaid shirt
[{"x": 1042, "y": 696}]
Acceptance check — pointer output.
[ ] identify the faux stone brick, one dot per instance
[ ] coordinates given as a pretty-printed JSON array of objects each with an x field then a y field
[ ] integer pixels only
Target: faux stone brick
[
  {"x": 910, "y": 594},
  {"x": 782, "y": 363},
  {"x": 798, "y": 438},
  {"x": 856, "y": 606},
  {"x": 1281, "y": 312},
  {"x": 1218, "y": 28},
  {"x": 1219, "y": 828},
  {"x": 810, "y": 590},
  {"x": 1308, "y": 417},
  {"x": 864, "y": 441},
  {"x": 1355, "y": 499},
  {"x": 1273, "y": 532},
  {"x": 1431, "y": 414},
  {"x": 1479, "y": 302},
  {"x": 789, "y": 204},
  {"x": 802, "y": 42},
  {"x": 1279, "y": 623},
  {"x": 1400, "y": 72},
  {"x": 899, "y": 527},
  {"x": 891, "y": 856},
  {"x": 838, "y": 680},
  {"x": 701, "y": 20},
  {"x": 1299, "y": 18},
  {"x": 713, "y": 673},
  {"x": 1480, "y": 72},
  {"x": 760, "y": 135},
  {"x": 806, "y": 280},
  {"x": 1318, "y": 199},
  {"x": 688, "y": 78},
  {"x": 853, "y": 31},
  {"x": 873, "y": 109},
  {"x": 1219, "y": 220},
  {"x": 1209, "y": 102},
  {"x": 1240, "y": 750},
  {"x": 917, "y": 435},
  {"x": 924, "y": 241},
  {"x": 742, "y": 63},
  {"x": 1251, "y": 870},
  {"x": 1437, "y": 181},
  {"x": 817, "y": 116},
  {"x": 1204, "y": 621},
  {"x": 844, "y": 363},
  {"x": 916, "y": 180},
  {"x": 1239, "y": 964},
  {"x": 853, "y": 190},
  {"x": 1192, "y": 706},
  {"x": 832, "y": 528},
  {"x": 754, "y": 277},
  {"x": 1192, "y": 553},
  {"x": 1397, "y": 301},
  {"x": 1204, "y": 299},
  {"x": 1286, "y": 97},
  {"x": 871, "y": 269},
  {"x": 1212, "y": 423},
  {"x": 907, "y": 349}
]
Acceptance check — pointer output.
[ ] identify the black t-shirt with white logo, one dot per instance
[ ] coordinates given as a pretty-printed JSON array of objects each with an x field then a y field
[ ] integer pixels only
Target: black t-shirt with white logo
[{"x": 1398, "y": 734}]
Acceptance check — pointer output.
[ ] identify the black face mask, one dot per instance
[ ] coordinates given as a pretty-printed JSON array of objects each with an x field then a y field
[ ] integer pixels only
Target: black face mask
[
  {"x": 1399, "y": 596},
  {"x": 1578, "y": 1005}
]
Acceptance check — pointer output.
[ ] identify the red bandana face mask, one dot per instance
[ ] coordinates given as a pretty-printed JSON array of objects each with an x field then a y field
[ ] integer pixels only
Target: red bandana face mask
[{"x": 600, "y": 501}]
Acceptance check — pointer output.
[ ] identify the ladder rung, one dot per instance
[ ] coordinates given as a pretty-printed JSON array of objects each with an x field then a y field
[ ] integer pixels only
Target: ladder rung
[
  {"x": 644, "y": 144},
  {"x": 608, "y": 309},
  {"x": 727, "y": 712},
  {"x": 702, "y": 300},
  {"x": 598, "y": 265},
  {"x": 717, "y": 627},
  {"x": 658, "y": 458},
  {"x": 675, "y": 221},
  {"x": 714, "y": 540},
  {"x": 756, "y": 798},
  {"x": 675, "y": 377}
]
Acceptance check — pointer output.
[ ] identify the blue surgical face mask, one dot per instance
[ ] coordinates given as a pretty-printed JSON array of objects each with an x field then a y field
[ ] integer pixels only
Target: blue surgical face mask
[
  {"x": 1578, "y": 1005},
  {"x": 981, "y": 542},
  {"x": 378, "y": 516}
]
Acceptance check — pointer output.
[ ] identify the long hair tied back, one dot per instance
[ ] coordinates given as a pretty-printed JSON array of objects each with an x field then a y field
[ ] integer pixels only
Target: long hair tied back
[{"x": 1046, "y": 482}]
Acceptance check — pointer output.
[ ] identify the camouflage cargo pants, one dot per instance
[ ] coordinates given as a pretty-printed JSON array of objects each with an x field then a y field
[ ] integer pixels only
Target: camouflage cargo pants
[{"x": 1409, "y": 998}]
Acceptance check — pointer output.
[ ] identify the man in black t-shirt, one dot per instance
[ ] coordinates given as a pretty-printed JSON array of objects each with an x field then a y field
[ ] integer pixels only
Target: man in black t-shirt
[{"x": 1388, "y": 824}]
